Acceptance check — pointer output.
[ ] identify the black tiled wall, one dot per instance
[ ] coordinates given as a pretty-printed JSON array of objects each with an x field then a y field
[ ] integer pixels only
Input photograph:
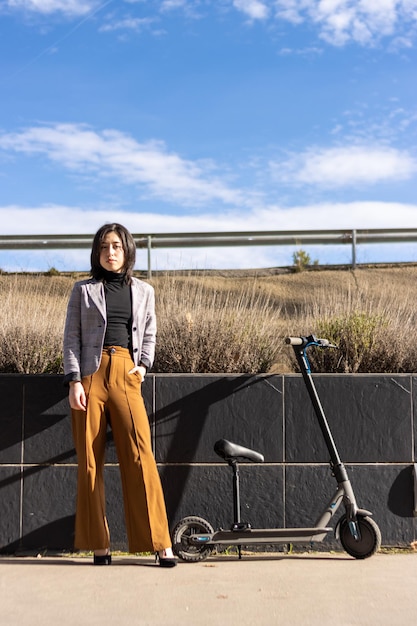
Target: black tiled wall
[{"x": 372, "y": 418}]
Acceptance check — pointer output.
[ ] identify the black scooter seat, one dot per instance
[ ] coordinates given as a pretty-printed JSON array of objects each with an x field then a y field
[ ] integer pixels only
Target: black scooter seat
[{"x": 232, "y": 451}]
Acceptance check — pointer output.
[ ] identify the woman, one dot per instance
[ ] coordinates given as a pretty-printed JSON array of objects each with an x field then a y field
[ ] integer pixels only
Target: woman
[{"x": 109, "y": 344}]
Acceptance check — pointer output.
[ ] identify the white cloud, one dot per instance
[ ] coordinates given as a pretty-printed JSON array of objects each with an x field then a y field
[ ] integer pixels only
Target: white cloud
[
  {"x": 148, "y": 165},
  {"x": 386, "y": 124},
  {"x": 168, "y": 5},
  {"x": 254, "y": 9},
  {"x": 62, "y": 219},
  {"x": 154, "y": 171},
  {"x": 342, "y": 166},
  {"x": 58, "y": 219},
  {"x": 47, "y": 7},
  {"x": 308, "y": 51},
  {"x": 338, "y": 22},
  {"x": 361, "y": 21},
  {"x": 129, "y": 23}
]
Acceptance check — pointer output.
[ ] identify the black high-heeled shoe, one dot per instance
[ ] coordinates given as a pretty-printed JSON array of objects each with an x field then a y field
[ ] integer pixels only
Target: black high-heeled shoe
[
  {"x": 102, "y": 559},
  {"x": 165, "y": 561}
]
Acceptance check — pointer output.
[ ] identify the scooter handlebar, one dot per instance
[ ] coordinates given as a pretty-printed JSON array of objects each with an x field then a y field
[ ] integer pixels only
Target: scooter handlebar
[
  {"x": 294, "y": 341},
  {"x": 325, "y": 343},
  {"x": 303, "y": 341}
]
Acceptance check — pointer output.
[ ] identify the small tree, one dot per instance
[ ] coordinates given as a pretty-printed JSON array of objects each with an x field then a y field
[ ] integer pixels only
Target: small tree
[{"x": 301, "y": 260}]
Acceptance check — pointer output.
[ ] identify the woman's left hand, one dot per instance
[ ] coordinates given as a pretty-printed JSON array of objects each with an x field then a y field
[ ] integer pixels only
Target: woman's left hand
[{"x": 139, "y": 368}]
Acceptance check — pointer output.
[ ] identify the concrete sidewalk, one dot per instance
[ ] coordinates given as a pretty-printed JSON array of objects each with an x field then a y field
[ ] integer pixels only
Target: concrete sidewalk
[{"x": 297, "y": 590}]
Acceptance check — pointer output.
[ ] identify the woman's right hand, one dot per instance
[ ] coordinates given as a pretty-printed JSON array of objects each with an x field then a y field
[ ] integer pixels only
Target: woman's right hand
[{"x": 77, "y": 397}]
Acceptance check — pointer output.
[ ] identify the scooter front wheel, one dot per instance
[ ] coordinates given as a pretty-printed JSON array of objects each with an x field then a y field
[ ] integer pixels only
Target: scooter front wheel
[
  {"x": 369, "y": 541},
  {"x": 181, "y": 534}
]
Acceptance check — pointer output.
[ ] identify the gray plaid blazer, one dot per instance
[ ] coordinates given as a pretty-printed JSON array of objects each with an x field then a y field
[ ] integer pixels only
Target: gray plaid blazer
[{"x": 85, "y": 327}]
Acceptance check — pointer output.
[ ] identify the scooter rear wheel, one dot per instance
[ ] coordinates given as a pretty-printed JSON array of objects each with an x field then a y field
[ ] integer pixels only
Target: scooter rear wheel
[
  {"x": 180, "y": 539},
  {"x": 370, "y": 538}
]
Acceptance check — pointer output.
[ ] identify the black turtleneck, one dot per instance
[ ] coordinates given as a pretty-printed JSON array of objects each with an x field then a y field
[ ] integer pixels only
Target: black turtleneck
[{"x": 119, "y": 310}]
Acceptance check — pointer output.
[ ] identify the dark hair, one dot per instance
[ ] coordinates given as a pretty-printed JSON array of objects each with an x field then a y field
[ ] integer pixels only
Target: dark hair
[{"x": 129, "y": 248}]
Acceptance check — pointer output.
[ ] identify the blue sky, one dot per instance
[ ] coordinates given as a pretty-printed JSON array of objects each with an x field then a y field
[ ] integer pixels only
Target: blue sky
[{"x": 191, "y": 115}]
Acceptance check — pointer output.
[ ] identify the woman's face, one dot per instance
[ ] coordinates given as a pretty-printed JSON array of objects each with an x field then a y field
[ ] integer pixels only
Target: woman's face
[{"x": 112, "y": 256}]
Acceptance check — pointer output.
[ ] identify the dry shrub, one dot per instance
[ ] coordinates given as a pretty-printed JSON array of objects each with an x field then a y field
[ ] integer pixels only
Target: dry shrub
[
  {"x": 213, "y": 330},
  {"x": 373, "y": 333},
  {"x": 32, "y": 312}
]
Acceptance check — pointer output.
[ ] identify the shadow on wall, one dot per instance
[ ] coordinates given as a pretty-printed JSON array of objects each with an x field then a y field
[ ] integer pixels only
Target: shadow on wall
[
  {"x": 192, "y": 415},
  {"x": 400, "y": 497},
  {"x": 57, "y": 535}
]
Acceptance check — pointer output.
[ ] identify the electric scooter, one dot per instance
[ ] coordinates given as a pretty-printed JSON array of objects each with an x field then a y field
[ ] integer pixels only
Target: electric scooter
[{"x": 194, "y": 539}]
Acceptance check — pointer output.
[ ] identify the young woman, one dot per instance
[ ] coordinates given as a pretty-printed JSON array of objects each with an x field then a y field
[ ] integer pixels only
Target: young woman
[{"x": 109, "y": 344}]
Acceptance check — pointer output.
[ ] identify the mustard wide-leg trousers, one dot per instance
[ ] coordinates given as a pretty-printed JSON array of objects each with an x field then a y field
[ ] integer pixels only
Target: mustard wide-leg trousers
[{"x": 114, "y": 396}]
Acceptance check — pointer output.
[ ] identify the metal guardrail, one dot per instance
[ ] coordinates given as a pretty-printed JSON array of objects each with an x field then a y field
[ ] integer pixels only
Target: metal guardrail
[{"x": 297, "y": 238}]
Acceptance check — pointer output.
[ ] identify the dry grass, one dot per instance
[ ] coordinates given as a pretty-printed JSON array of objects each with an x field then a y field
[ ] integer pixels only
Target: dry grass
[
  {"x": 32, "y": 314},
  {"x": 204, "y": 328},
  {"x": 235, "y": 323}
]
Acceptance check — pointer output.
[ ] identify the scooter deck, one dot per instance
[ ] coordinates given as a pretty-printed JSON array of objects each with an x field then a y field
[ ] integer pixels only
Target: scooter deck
[{"x": 265, "y": 535}]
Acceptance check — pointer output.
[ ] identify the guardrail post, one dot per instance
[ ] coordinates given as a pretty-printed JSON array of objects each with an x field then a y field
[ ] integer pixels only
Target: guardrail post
[
  {"x": 149, "y": 256},
  {"x": 353, "y": 249}
]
